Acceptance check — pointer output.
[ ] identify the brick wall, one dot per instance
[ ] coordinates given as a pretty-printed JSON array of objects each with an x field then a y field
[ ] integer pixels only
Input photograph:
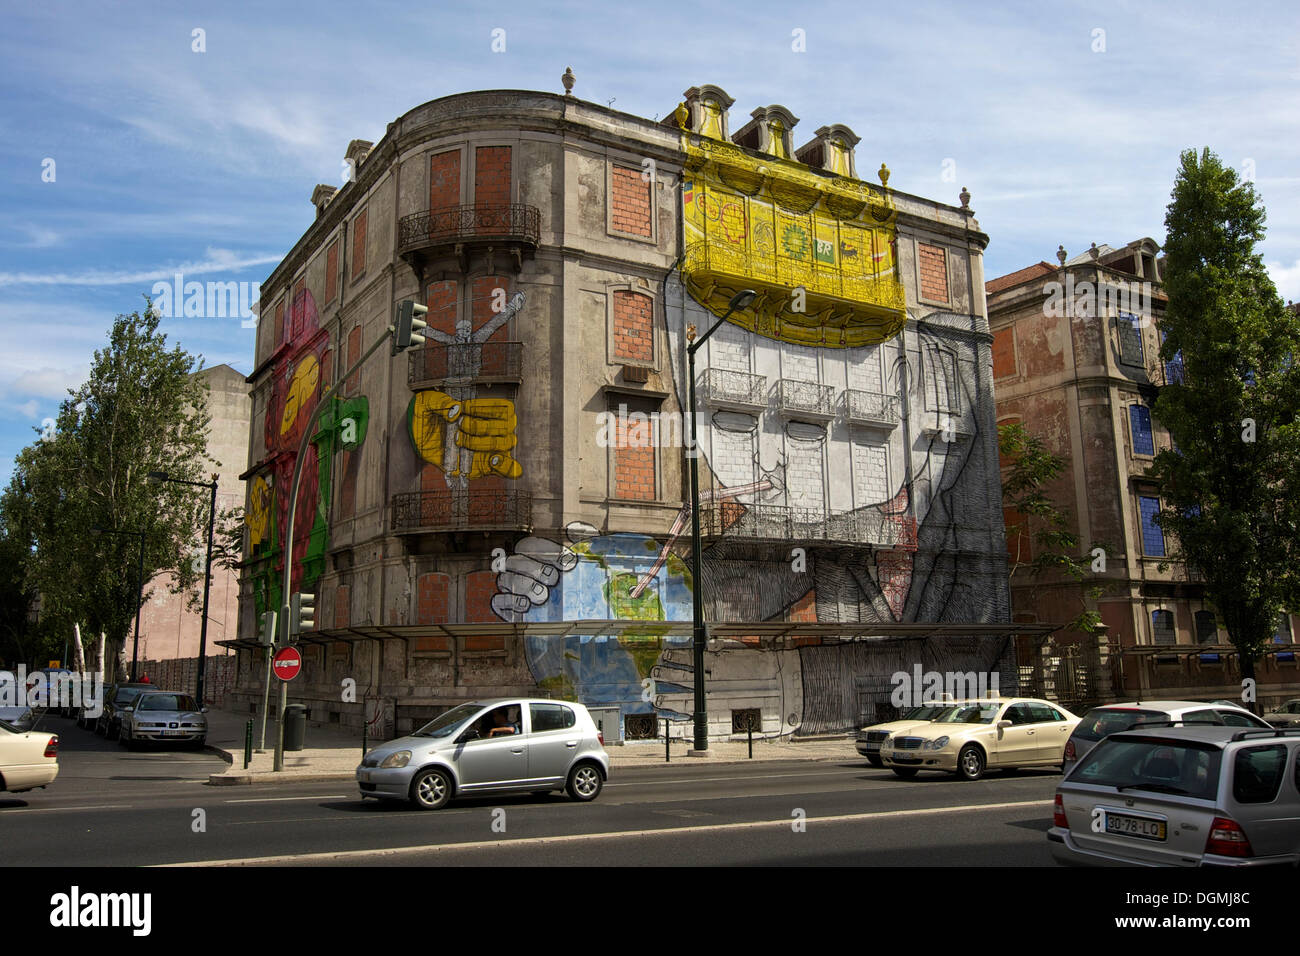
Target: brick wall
[
  {"x": 433, "y": 592},
  {"x": 342, "y": 605},
  {"x": 865, "y": 374},
  {"x": 933, "y": 262},
  {"x": 181, "y": 674},
  {"x": 633, "y": 327},
  {"x": 444, "y": 179},
  {"x": 353, "y": 353},
  {"x": 492, "y": 175},
  {"x": 482, "y": 295},
  {"x": 630, "y": 202},
  {"x": 800, "y": 365},
  {"x": 441, "y": 300},
  {"x": 332, "y": 272},
  {"x": 732, "y": 456},
  {"x": 1004, "y": 353},
  {"x": 634, "y": 467},
  {"x": 870, "y": 473},
  {"x": 729, "y": 348},
  {"x": 348, "y": 484},
  {"x": 804, "y": 473}
]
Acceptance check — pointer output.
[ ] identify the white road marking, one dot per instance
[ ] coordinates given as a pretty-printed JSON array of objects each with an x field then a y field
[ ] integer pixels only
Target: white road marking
[
  {"x": 616, "y": 835},
  {"x": 99, "y": 806},
  {"x": 766, "y": 776},
  {"x": 323, "y": 796}
]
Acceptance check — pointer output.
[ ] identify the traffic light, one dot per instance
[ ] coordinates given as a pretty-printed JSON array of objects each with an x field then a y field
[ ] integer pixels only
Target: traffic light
[
  {"x": 409, "y": 324},
  {"x": 267, "y": 634},
  {"x": 302, "y": 614}
]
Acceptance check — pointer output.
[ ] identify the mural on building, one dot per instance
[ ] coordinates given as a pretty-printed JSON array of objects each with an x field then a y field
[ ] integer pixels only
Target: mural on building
[{"x": 298, "y": 382}]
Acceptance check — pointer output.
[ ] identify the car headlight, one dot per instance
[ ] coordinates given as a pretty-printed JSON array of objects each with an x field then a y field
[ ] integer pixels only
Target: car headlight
[
  {"x": 396, "y": 761},
  {"x": 937, "y": 744}
]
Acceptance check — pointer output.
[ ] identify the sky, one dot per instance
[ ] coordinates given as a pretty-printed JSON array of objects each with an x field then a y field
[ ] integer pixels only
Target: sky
[{"x": 128, "y": 154}]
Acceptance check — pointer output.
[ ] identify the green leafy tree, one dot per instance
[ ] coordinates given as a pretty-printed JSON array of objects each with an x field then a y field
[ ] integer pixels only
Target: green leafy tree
[
  {"x": 141, "y": 409},
  {"x": 1055, "y": 548},
  {"x": 1231, "y": 488}
]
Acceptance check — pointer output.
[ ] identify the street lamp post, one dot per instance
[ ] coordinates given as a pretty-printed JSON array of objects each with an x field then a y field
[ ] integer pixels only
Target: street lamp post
[
  {"x": 161, "y": 476},
  {"x": 740, "y": 300},
  {"x": 135, "y": 647}
]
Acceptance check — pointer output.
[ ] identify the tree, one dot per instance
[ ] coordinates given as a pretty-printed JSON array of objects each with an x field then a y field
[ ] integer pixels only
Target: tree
[
  {"x": 140, "y": 410},
  {"x": 1055, "y": 547},
  {"x": 1231, "y": 485}
]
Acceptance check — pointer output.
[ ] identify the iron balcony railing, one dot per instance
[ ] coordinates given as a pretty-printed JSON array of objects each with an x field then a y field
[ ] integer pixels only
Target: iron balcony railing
[
  {"x": 464, "y": 364},
  {"x": 725, "y": 388},
  {"x": 764, "y": 522},
  {"x": 871, "y": 408},
  {"x": 806, "y": 398},
  {"x": 449, "y": 510},
  {"x": 501, "y": 221}
]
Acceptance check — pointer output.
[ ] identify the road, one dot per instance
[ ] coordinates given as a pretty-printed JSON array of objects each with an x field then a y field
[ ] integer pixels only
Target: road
[{"x": 110, "y": 806}]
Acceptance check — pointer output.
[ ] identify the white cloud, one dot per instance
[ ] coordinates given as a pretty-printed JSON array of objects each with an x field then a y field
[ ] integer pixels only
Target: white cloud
[
  {"x": 1286, "y": 278},
  {"x": 49, "y": 382},
  {"x": 216, "y": 260}
]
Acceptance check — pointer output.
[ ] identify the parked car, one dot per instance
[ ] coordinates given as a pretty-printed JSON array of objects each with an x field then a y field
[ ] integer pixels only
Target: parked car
[
  {"x": 163, "y": 716},
  {"x": 490, "y": 746},
  {"x": 1288, "y": 715},
  {"x": 28, "y": 759},
  {"x": 1202, "y": 795},
  {"x": 117, "y": 697},
  {"x": 870, "y": 738},
  {"x": 22, "y": 718},
  {"x": 975, "y": 735},
  {"x": 1113, "y": 718}
]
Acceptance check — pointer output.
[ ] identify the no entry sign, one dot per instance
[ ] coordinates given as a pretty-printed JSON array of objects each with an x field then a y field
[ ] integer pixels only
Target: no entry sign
[{"x": 286, "y": 663}]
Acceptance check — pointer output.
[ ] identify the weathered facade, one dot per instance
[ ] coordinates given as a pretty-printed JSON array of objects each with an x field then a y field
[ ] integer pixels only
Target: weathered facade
[
  {"x": 1076, "y": 360},
  {"x": 505, "y": 509}
]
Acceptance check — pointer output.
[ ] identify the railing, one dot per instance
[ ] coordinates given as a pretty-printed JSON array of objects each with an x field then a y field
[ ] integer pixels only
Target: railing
[
  {"x": 806, "y": 398},
  {"x": 504, "y": 221},
  {"x": 464, "y": 364},
  {"x": 784, "y": 523},
  {"x": 449, "y": 510},
  {"x": 740, "y": 389},
  {"x": 871, "y": 407}
]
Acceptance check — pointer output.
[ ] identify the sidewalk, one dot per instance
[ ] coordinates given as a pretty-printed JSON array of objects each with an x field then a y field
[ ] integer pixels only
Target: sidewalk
[{"x": 334, "y": 755}]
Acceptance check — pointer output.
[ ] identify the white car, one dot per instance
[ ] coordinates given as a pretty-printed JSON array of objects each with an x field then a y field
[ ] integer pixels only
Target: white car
[{"x": 28, "y": 759}]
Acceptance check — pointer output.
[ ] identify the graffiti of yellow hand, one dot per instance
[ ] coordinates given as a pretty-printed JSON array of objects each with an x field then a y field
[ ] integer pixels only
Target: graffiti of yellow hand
[{"x": 485, "y": 427}]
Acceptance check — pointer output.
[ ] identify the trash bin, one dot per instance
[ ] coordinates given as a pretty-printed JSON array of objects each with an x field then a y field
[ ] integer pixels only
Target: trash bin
[{"x": 295, "y": 726}]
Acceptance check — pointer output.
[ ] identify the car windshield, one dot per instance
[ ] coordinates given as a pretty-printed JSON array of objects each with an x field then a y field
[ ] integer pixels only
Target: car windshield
[
  {"x": 9, "y": 727},
  {"x": 970, "y": 714},
  {"x": 925, "y": 712},
  {"x": 125, "y": 695},
  {"x": 167, "y": 702},
  {"x": 444, "y": 725},
  {"x": 1102, "y": 722},
  {"x": 1164, "y": 766}
]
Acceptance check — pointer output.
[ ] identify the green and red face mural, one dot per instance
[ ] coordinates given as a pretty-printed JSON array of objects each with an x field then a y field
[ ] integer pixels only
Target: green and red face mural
[{"x": 299, "y": 378}]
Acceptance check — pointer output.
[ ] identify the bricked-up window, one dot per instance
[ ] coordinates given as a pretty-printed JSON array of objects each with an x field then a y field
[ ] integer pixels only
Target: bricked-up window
[
  {"x": 444, "y": 179},
  {"x": 633, "y": 448},
  {"x": 492, "y": 175},
  {"x": 342, "y": 605},
  {"x": 281, "y": 333},
  {"x": 1130, "y": 338},
  {"x": 1004, "y": 352},
  {"x": 354, "y": 353},
  {"x": 933, "y": 263},
  {"x": 359, "y": 244},
  {"x": 332, "y": 273},
  {"x": 433, "y": 593},
  {"x": 629, "y": 199},
  {"x": 1207, "y": 631},
  {"x": 633, "y": 327}
]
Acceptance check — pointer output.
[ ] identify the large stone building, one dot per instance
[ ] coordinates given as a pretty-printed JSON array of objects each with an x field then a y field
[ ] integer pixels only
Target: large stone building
[
  {"x": 1076, "y": 360},
  {"x": 505, "y": 509}
]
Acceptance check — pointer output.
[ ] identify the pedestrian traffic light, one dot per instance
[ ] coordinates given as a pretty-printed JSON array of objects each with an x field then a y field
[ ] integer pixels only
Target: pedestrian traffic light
[
  {"x": 302, "y": 614},
  {"x": 267, "y": 635},
  {"x": 409, "y": 324}
]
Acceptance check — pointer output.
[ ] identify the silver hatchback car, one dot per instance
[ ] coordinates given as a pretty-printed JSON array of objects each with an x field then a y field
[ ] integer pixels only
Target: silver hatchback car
[
  {"x": 490, "y": 746},
  {"x": 1182, "y": 796}
]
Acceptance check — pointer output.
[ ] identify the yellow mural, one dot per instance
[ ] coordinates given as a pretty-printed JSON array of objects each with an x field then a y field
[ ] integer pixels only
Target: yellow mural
[
  {"x": 774, "y": 225},
  {"x": 301, "y": 388},
  {"x": 259, "y": 512},
  {"x": 483, "y": 427}
]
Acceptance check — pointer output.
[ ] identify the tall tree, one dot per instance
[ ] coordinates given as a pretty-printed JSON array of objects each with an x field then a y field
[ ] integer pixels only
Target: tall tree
[
  {"x": 141, "y": 409},
  {"x": 1231, "y": 485}
]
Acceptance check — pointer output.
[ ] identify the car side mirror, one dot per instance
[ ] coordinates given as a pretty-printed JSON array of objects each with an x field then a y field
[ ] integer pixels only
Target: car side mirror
[
  {"x": 1003, "y": 724},
  {"x": 467, "y": 736},
  {"x": 203, "y": 710}
]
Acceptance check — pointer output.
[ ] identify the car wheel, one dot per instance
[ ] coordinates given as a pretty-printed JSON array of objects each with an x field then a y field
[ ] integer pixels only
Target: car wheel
[
  {"x": 124, "y": 738},
  {"x": 907, "y": 773},
  {"x": 970, "y": 763},
  {"x": 114, "y": 732},
  {"x": 584, "y": 782},
  {"x": 875, "y": 761},
  {"x": 431, "y": 789}
]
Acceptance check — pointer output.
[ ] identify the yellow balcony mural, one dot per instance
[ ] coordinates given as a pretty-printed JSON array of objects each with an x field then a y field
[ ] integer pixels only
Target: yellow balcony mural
[{"x": 776, "y": 226}]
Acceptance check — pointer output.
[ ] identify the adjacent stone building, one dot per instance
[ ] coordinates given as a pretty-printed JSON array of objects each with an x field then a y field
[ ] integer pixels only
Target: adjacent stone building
[
  {"x": 505, "y": 509},
  {"x": 1076, "y": 360}
]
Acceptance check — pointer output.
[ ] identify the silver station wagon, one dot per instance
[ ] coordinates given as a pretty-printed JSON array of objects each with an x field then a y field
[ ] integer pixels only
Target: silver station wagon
[
  {"x": 491, "y": 746},
  {"x": 1182, "y": 796}
]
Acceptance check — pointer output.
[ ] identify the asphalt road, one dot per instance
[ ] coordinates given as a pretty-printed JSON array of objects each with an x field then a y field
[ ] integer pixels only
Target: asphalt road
[{"x": 110, "y": 806}]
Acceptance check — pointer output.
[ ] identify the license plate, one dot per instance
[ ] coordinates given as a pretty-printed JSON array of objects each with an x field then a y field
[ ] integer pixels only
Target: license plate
[
  {"x": 363, "y": 776},
  {"x": 175, "y": 733},
  {"x": 1143, "y": 827}
]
